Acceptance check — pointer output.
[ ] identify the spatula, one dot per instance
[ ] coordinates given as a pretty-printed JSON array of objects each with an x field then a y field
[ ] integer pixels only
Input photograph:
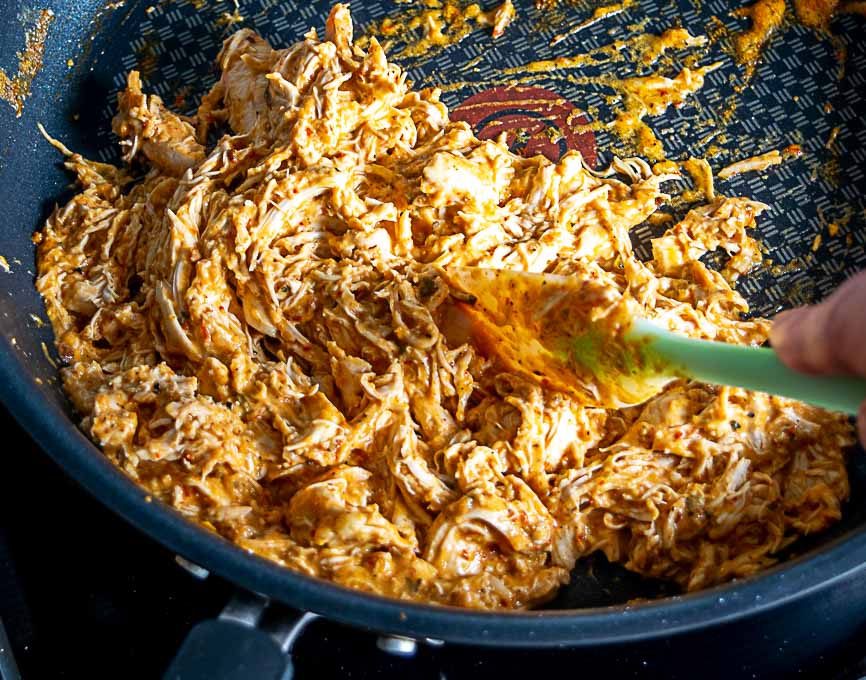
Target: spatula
[{"x": 579, "y": 335}]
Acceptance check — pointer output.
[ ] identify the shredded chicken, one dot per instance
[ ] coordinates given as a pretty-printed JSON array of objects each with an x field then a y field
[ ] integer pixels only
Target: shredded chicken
[
  {"x": 502, "y": 18},
  {"x": 144, "y": 123},
  {"x": 752, "y": 164},
  {"x": 258, "y": 333}
]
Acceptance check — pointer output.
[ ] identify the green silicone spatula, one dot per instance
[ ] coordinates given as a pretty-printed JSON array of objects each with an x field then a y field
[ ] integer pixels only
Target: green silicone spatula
[{"x": 579, "y": 335}]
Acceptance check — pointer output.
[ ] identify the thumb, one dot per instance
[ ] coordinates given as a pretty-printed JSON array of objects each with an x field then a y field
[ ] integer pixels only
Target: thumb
[{"x": 826, "y": 338}]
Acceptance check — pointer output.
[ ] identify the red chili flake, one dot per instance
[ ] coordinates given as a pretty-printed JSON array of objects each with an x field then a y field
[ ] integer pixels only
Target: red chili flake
[{"x": 793, "y": 151}]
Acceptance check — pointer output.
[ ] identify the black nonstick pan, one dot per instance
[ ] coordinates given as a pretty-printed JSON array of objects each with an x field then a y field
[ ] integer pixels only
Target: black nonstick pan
[{"x": 801, "y": 94}]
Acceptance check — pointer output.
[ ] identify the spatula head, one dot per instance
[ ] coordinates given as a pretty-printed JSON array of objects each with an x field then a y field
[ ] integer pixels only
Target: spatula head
[{"x": 569, "y": 333}]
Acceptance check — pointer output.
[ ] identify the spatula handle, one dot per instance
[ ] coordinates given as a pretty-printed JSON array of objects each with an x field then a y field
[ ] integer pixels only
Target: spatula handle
[{"x": 752, "y": 368}]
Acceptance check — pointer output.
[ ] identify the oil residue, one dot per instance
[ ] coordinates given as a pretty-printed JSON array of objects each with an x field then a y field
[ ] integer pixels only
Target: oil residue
[
  {"x": 230, "y": 18},
  {"x": 599, "y": 14},
  {"x": 766, "y": 18},
  {"x": 653, "y": 95},
  {"x": 818, "y": 14},
  {"x": 225, "y": 18},
  {"x": 632, "y": 99},
  {"x": 434, "y": 25},
  {"x": 655, "y": 71},
  {"x": 15, "y": 89}
]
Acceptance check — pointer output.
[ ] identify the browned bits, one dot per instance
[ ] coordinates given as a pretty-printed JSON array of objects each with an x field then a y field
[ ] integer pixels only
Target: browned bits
[{"x": 16, "y": 88}]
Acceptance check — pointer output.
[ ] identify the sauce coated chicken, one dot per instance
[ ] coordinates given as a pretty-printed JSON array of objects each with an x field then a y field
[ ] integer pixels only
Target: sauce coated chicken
[{"x": 256, "y": 332}]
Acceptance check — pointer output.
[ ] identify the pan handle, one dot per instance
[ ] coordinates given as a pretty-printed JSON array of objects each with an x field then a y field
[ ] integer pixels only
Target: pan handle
[{"x": 242, "y": 642}]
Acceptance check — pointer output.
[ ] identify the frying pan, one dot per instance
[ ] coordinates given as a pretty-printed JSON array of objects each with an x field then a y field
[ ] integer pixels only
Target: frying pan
[{"x": 796, "y": 96}]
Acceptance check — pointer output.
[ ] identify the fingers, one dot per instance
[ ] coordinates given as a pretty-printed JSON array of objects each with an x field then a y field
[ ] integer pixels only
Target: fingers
[
  {"x": 826, "y": 338},
  {"x": 799, "y": 338}
]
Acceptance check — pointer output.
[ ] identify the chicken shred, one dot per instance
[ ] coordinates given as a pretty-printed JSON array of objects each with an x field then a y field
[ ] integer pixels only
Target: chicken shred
[{"x": 258, "y": 333}]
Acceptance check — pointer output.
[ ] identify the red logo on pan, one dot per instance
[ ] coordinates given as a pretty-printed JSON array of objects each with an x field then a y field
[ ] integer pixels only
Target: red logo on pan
[{"x": 534, "y": 120}]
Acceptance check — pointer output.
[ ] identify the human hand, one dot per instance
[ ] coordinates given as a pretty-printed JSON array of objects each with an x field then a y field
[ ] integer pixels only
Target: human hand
[{"x": 828, "y": 338}]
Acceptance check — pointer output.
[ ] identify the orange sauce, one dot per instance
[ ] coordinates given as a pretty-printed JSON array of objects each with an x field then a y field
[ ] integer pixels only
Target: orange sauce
[{"x": 16, "y": 88}]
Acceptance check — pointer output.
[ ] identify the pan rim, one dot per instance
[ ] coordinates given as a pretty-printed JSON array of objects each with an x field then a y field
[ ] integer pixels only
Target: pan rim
[{"x": 62, "y": 441}]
